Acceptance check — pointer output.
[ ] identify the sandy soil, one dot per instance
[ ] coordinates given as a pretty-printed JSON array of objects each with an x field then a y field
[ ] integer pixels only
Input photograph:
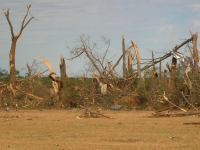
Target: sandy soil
[{"x": 61, "y": 130}]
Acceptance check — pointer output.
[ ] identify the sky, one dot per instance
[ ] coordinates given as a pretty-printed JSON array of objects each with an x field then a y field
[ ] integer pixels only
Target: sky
[{"x": 155, "y": 25}]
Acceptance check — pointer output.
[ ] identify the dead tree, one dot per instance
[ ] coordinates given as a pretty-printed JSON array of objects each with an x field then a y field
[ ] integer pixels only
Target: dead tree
[
  {"x": 137, "y": 58},
  {"x": 87, "y": 48},
  {"x": 195, "y": 51},
  {"x": 158, "y": 60},
  {"x": 63, "y": 79},
  {"x": 124, "y": 57},
  {"x": 153, "y": 67},
  {"x": 160, "y": 71},
  {"x": 14, "y": 38},
  {"x": 173, "y": 72},
  {"x": 52, "y": 75},
  {"x": 130, "y": 62}
]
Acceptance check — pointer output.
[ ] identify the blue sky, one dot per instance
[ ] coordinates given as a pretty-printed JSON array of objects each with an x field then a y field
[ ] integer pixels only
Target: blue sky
[{"x": 154, "y": 24}]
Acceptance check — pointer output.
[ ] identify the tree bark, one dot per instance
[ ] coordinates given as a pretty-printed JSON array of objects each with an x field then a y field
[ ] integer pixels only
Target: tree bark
[
  {"x": 12, "y": 63},
  {"x": 195, "y": 52}
]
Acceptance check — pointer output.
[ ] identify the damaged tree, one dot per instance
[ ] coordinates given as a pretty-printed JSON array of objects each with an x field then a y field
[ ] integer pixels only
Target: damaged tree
[
  {"x": 195, "y": 51},
  {"x": 124, "y": 57},
  {"x": 14, "y": 38},
  {"x": 137, "y": 58},
  {"x": 63, "y": 80}
]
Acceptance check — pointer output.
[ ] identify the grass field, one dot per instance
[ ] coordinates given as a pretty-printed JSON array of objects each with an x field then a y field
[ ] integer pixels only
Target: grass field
[{"x": 60, "y": 130}]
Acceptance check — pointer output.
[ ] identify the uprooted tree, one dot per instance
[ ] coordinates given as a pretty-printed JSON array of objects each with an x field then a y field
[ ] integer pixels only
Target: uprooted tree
[{"x": 14, "y": 38}]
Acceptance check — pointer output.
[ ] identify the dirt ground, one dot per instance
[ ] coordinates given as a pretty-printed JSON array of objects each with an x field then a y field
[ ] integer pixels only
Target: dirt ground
[{"x": 61, "y": 130}]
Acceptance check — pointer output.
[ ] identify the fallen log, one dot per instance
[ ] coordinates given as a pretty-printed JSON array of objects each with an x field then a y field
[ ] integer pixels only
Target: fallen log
[
  {"x": 176, "y": 114},
  {"x": 191, "y": 123}
]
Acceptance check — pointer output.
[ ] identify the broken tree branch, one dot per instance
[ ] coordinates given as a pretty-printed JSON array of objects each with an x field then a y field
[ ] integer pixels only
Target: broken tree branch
[
  {"x": 89, "y": 113},
  {"x": 182, "y": 94},
  {"x": 7, "y": 15},
  {"x": 175, "y": 49},
  {"x": 120, "y": 58},
  {"x": 165, "y": 98}
]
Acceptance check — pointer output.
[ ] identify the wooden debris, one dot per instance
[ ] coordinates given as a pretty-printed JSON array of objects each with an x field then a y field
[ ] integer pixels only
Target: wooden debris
[
  {"x": 92, "y": 114},
  {"x": 158, "y": 60},
  {"x": 165, "y": 98},
  {"x": 52, "y": 75},
  {"x": 191, "y": 123},
  {"x": 176, "y": 114},
  {"x": 182, "y": 94},
  {"x": 164, "y": 109}
]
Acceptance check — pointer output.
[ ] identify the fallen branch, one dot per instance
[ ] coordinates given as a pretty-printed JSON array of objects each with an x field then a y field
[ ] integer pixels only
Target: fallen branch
[
  {"x": 31, "y": 95},
  {"x": 191, "y": 123},
  {"x": 164, "y": 109},
  {"x": 165, "y": 98},
  {"x": 182, "y": 94},
  {"x": 175, "y": 114},
  {"x": 158, "y": 60},
  {"x": 91, "y": 114}
]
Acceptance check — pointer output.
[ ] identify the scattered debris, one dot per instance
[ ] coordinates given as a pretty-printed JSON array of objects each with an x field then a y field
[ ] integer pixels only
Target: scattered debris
[
  {"x": 92, "y": 114},
  {"x": 176, "y": 114},
  {"x": 165, "y": 98},
  {"x": 191, "y": 123}
]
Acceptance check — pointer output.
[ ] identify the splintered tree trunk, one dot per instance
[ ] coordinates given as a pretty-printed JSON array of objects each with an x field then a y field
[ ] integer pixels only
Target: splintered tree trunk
[
  {"x": 195, "y": 51},
  {"x": 124, "y": 57},
  {"x": 130, "y": 62},
  {"x": 12, "y": 63},
  {"x": 63, "y": 82},
  {"x": 63, "y": 75},
  {"x": 160, "y": 70},
  {"x": 173, "y": 73},
  {"x": 137, "y": 58},
  {"x": 153, "y": 67}
]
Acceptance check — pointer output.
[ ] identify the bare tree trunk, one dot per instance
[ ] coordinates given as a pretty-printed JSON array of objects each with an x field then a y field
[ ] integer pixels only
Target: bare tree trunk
[
  {"x": 130, "y": 62},
  {"x": 195, "y": 52},
  {"x": 124, "y": 57},
  {"x": 12, "y": 63},
  {"x": 14, "y": 38},
  {"x": 173, "y": 73},
  {"x": 138, "y": 58},
  {"x": 153, "y": 73},
  {"x": 63, "y": 80},
  {"x": 63, "y": 74},
  {"x": 160, "y": 70}
]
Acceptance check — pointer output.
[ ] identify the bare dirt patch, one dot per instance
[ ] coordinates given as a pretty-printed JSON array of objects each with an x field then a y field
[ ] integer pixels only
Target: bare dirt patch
[{"x": 60, "y": 130}]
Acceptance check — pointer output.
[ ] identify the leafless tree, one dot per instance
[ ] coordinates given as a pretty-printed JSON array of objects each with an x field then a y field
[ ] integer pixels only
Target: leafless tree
[
  {"x": 89, "y": 49},
  {"x": 14, "y": 38}
]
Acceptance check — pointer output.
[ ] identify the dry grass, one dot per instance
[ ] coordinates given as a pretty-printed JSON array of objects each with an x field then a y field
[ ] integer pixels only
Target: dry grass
[{"x": 60, "y": 130}]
